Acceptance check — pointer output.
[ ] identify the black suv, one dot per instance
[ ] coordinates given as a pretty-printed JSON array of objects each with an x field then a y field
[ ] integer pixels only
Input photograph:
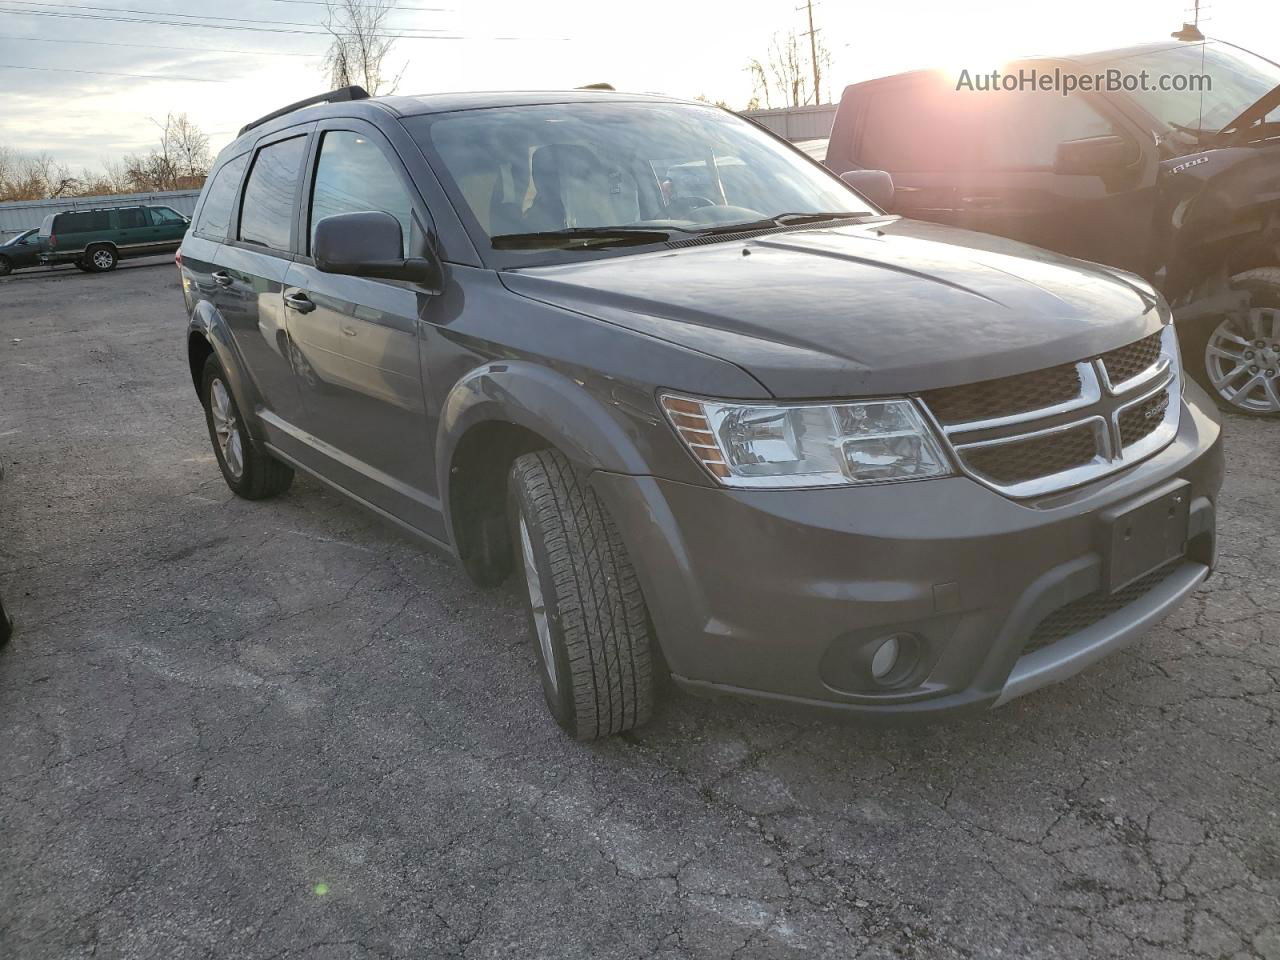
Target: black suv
[
  {"x": 723, "y": 416},
  {"x": 1181, "y": 186}
]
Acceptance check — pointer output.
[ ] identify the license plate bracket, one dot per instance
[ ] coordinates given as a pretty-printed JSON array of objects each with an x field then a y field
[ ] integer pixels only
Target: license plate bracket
[{"x": 1145, "y": 534}]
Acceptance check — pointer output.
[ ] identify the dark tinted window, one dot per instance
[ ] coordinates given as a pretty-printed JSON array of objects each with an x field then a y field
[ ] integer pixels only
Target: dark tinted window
[
  {"x": 266, "y": 212},
  {"x": 163, "y": 215},
  {"x": 131, "y": 217},
  {"x": 215, "y": 215},
  {"x": 353, "y": 176},
  {"x": 928, "y": 125},
  {"x": 90, "y": 221}
]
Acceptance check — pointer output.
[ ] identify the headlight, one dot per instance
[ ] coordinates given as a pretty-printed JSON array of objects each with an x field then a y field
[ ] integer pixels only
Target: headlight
[{"x": 807, "y": 445}]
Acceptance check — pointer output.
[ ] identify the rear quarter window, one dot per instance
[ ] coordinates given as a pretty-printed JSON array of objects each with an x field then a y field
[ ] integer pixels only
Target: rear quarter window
[
  {"x": 215, "y": 213},
  {"x": 89, "y": 221}
]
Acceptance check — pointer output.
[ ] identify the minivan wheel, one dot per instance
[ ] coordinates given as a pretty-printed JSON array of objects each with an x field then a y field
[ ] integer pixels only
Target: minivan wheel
[
  {"x": 249, "y": 472},
  {"x": 586, "y": 613},
  {"x": 1240, "y": 356},
  {"x": 101, "y": 259}
]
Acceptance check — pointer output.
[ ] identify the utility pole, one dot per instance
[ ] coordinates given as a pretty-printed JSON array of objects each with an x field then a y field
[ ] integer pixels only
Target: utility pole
[{"x": 813, "y": 52}]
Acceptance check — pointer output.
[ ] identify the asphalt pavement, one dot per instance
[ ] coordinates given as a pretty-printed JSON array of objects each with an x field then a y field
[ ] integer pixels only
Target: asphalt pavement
[{"x": 281, "y": 729}]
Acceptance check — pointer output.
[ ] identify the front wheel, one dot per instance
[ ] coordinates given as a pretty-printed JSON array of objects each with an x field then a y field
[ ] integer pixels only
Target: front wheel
[
  {"x": 1238, "y": 359},
  {"x": 6, "y": 267},
  {"x": 586, "y": 612}
]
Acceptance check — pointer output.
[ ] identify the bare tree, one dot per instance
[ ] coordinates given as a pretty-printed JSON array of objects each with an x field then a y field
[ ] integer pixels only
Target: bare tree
[
  {"x": 360, "y": 45},
  {"x": 33, "y": 176},
  {"x": 186, "y": 146},
  {"x": 789, "y": 73}
]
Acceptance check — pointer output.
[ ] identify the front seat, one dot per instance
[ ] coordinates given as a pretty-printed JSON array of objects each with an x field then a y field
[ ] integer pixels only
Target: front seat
[{"x": 575, "y": 188}]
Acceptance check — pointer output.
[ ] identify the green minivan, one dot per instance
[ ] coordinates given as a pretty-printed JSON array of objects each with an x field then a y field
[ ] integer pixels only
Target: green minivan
[{"x": 96, "y": 240}]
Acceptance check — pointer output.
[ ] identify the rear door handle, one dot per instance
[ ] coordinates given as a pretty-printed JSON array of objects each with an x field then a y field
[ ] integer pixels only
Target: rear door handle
[
  {"x": 348, "y": 331},
  {"x": 300, "y": 302},
  {"x": 222, "y": 278},
  {"x": 980, "y": 201}
]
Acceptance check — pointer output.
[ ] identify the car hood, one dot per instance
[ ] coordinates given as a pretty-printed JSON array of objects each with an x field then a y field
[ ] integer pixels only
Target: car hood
[{"x": 886, "y": 307}]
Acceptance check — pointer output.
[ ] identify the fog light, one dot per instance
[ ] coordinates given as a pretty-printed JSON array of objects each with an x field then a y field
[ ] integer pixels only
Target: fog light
[{"x": 886, "y": 657}]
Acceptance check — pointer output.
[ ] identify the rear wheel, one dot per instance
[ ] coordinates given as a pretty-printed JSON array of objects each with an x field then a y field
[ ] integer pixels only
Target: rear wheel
[
  {"x": 586, "y": 612},
  {"x": 1237, "y": 359},
  {"x": 249, "y": 472},
  {"x": 101, "y": 259}
]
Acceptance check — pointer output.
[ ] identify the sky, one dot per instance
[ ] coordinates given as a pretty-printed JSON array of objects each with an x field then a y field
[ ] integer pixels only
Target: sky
[{"x": 226, "y": 77}]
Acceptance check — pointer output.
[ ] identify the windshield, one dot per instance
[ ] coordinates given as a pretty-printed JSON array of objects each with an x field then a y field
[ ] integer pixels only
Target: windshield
[
  {"x": 1238, "y": 80},
  {"x": 18, "y": 239},
  {"x": 646, "y": 168}
]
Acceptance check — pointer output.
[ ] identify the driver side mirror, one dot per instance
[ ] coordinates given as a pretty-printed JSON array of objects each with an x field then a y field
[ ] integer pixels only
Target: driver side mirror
[
  {"x": 875, "y": 185},
  {"x": 1095, "y": 156},
  {"x": 371, "y": 244}
]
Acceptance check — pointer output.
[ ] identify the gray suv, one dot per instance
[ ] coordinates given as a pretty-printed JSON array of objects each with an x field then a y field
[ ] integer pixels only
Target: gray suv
[{"x": 721, "y": 415}]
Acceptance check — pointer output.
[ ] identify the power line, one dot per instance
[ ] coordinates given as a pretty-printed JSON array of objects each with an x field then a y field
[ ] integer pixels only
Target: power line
[
  {"x": 237, "y": 27},
  {"x": 395, "y": 8},
  {"x": 103, "y": 73},
  {"x": 167, "y": 13},
  {"x": 160, "y": 46}
]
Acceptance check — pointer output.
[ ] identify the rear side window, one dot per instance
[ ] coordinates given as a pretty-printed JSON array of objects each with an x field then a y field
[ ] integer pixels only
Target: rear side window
[
  {"x": 266, "y": 212},
  {"x": 353, "y": 176},
  {"x": 90, "y": 221},
  {"x": 131, "y": 217},
  {"x": 215, "y": 215}
]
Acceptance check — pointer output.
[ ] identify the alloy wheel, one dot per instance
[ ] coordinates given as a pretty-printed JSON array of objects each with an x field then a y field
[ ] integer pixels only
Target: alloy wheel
[
  {"x": 1242, "y": 358},
  {"x": 538, "y": 606},
  {"x": 226, "y": 428},
  {"x": 103, "y": 259}
]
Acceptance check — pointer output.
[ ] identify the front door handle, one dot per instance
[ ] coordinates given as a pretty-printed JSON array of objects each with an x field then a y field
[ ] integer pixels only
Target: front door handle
[
  {"x": 980, "y": 201},
  {"x": 222, "y": 278},
  {"x": 348, "y": 331},
  {"x": 300, "y": 302}
]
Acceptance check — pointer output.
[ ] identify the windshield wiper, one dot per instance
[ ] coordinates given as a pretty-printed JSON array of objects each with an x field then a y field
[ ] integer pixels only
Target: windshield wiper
[
  {"x": 579, "y": 238},
  {"x": 785, "y": 220}
]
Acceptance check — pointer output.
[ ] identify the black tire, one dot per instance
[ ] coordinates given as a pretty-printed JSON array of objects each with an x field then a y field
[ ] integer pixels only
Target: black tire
[
  {"x": 6, "y": 267},
  {"x": 81, "y": 265},
  {"x": 599, "y": 680},
  {"x": 260, "y": 475},
  {"x": 101, "y": 258},
  {"x": 1263, "y": 285}
]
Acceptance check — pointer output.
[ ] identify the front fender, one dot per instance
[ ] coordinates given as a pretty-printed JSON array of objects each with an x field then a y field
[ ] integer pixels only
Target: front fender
[
  {"x": 208, "y": 324},
  {"x": 599, "y": 424}
]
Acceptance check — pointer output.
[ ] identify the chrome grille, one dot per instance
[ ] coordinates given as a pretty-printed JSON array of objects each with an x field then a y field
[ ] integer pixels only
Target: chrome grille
[
  {"x": 1008, "y": 395},
  {"x": 1128, "y": 362},
  {"x": 1064, "y": 426}
]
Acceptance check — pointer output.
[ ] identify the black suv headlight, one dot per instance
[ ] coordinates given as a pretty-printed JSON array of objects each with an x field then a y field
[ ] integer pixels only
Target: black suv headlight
[{"x": 805, "y": 444}]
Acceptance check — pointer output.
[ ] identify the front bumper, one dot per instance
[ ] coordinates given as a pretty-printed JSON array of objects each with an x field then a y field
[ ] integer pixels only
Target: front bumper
[{"x": 780, "y": 595}]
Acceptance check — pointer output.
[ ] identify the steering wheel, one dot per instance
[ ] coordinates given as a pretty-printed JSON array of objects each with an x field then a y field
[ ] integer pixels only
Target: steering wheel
[{"x": 684, "y": 205}]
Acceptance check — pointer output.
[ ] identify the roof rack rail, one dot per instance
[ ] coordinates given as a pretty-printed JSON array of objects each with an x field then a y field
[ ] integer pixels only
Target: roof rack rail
[{"x": 341, "y": 95}]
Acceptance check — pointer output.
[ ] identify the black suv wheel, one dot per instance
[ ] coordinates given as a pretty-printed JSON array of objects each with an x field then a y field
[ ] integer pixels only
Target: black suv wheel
[
  {"x": 249, "y": 472},
  {"x": 586, "y": 612}
]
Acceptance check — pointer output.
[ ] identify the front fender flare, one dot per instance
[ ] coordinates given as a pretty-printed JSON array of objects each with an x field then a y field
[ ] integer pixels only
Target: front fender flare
[{"x": 562, "y": 410}]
